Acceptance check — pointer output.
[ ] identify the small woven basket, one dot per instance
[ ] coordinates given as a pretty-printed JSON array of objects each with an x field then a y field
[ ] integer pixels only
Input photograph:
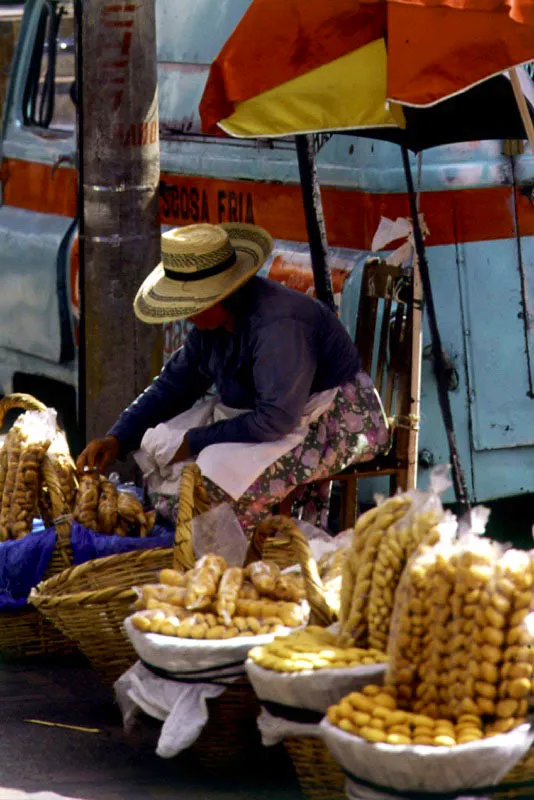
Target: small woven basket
[
  {"x": 519, "y": 782},
  {"x": 25, "y": 633}
]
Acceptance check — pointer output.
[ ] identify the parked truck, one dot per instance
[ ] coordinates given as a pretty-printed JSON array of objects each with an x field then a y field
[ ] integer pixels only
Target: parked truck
[{"x": 477, "y": 200}]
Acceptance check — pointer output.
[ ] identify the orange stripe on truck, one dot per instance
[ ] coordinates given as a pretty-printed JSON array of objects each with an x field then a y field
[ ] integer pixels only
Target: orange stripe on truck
[{"x": 467, "y": 215}]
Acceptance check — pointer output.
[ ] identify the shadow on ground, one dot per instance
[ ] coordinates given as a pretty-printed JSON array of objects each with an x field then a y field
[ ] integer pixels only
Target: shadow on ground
[{"x": 106, "y": 765}]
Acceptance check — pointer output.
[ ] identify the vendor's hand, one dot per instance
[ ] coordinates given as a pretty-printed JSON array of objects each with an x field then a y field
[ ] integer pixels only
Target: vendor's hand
[
  {"x": 98, "y": 454},
  {"x": 183, "y": 452}
]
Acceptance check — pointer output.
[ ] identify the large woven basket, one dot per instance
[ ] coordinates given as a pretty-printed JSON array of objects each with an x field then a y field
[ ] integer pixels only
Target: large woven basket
[
  {"x": 26, "y": 633},
  {"x": 231, "y": 735},
  {"x": 90, "y": 602}
]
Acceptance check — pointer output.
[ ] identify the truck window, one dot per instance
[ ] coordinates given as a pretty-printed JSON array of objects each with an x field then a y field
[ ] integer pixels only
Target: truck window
[{"x": 49, "y": 96}]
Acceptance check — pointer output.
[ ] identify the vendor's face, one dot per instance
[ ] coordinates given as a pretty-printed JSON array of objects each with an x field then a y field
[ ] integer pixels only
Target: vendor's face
[{"x": 210, "y": 319}]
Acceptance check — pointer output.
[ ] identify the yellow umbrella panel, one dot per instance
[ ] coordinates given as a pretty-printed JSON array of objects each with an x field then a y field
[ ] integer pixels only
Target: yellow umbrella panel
[{"x": 345, "y": 94}]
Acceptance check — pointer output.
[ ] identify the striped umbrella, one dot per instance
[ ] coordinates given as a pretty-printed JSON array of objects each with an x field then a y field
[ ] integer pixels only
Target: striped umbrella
[{"x": 297, "y": 66}]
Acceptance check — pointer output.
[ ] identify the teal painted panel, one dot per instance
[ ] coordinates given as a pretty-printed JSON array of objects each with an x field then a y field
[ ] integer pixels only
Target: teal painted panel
[
  {"x": 503, "y": 473},
  {"x": 180, "y": 88},
  {"x": 526, "y": 244},
  {"x": 502, "y": 411},
  {"x": 194, "y": 31},
  {"x": 29, "y": 308}
]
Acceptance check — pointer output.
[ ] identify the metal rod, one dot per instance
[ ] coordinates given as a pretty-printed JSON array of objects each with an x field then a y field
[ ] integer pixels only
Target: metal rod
[
  {"x": 440, "y": 367},
  {"x": 120, "y": 244},
  {"x": 313, "y": 212},
  {"x": 79, "y": 95}
]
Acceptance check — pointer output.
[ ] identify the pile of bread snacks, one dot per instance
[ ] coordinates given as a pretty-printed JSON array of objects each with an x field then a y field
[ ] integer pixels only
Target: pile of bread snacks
[
  {"x": 34, "y": 451},
  {"x": 101, "y": 507},
  {"x": 215, "y": 601}
]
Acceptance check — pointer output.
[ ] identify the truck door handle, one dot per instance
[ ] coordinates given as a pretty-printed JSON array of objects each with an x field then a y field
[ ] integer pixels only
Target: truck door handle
[{"x": 65, "y": 159}]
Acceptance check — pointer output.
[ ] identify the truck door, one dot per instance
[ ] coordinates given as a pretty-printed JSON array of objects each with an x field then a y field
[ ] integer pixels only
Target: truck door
[{"x": 38, "y": 210}]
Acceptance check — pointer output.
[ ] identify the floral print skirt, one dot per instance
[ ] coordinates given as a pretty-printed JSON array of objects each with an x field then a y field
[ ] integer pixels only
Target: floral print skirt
[{"x": 353, "y": 429}]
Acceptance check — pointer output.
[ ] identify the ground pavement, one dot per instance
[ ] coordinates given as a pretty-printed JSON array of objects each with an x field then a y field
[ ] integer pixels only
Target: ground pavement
[{"x": 38, "y": 762}]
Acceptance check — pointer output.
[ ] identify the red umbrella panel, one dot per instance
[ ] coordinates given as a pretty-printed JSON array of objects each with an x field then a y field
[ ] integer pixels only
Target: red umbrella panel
[{"x": 292, "y": 66}]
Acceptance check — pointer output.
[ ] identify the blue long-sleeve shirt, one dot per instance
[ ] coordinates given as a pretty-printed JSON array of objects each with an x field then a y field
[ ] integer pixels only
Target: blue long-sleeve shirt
[{"x": 285, "y": 346}]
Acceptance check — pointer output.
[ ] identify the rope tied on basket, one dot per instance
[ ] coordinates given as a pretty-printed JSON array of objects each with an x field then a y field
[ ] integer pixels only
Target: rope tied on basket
[
  {"x": 63, "y": 518},
  {"x": 216, "y": 676}
]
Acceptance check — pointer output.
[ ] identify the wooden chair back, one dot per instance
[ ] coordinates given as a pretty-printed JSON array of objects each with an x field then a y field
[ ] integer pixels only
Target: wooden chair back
[{"x": 383, "y": 337}]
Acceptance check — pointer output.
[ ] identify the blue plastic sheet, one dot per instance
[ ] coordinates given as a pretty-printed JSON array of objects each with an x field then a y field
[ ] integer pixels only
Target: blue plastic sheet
[
  {"x": 87, "y": 545},
  {"x": 23, "y": 563}
]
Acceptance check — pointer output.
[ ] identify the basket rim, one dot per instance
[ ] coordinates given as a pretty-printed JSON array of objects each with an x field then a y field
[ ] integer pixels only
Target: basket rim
[{"x": 50, "y": 589}]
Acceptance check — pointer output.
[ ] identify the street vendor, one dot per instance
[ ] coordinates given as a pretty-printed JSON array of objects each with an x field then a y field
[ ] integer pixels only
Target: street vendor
[{"x": 291, "y": 394}]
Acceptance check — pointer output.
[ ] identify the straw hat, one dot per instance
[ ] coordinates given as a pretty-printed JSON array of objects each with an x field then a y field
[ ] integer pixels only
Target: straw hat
[{"x": 201, "y": 265}]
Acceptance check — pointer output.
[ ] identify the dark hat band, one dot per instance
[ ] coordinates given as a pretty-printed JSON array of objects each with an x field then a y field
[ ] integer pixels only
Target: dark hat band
[{"x": 200, "y": 274}]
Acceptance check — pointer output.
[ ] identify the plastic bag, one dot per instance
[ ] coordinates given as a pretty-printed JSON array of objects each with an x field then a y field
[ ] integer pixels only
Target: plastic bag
[
  {"x": 23, "y": 564},
  {"x": 461, "y": 641},
  {"x": 384, "y": 541},
  {"x": 218, "y": 531},
  {"x": 87, "y": 544}
]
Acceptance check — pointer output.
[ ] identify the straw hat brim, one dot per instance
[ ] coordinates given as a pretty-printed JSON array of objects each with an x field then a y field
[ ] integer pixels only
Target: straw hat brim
[{"x": 161, "y": 299}]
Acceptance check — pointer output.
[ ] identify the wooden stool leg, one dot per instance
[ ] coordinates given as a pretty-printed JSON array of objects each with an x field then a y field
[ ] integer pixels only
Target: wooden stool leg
[
  {"x": 350, "y": 502},
  {"x": 285, "y": 507}
]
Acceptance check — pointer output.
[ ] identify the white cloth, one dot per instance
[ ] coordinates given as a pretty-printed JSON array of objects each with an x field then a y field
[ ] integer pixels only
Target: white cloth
[
  {"x": 181, "y": 707},
  {"x": 233, "y": 466},
  {"x": 274, "y": 730},
  {"x": 422, "y": 768},
  {"x": 314, "y": 690}
]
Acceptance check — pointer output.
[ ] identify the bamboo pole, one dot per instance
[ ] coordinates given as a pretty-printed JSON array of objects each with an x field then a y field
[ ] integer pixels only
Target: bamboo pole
[{"x": 440, "y": 367}]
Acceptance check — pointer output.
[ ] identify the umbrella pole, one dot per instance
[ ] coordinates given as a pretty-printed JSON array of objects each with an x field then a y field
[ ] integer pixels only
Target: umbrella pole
[
  {"x": 522, "y": 106},
  {"x": 440, "y": 368},
  {"x": 313, "y": 212}
]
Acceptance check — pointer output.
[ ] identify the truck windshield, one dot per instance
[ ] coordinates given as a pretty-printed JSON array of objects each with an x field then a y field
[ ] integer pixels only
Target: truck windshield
[{"x": 49, "y": 97}]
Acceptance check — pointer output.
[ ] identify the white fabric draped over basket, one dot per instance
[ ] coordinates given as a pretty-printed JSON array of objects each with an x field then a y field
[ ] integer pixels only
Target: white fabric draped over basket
[
  {"x": 179, "y": 705},
  {"x": 422, "y": 768}
]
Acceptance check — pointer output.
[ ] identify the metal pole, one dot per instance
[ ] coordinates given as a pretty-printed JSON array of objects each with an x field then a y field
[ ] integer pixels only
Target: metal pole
[
  {"x": 313, "y": 211},
  {"x": 119, "y": 166},
  {"x": 440, "y": 366}
]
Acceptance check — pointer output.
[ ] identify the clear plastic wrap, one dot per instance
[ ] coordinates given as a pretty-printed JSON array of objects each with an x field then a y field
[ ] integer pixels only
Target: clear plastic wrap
[
  {"x": 461, "y": 645},
  {"x": 213, "y": 601},
  {"x": 384, "y": 540}
]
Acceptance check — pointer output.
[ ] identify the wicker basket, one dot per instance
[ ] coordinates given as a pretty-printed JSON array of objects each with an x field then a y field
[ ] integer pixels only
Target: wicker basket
[
  {"x": 519, "y": 782},
  {"x": 26, "y": 633},
  {"x": 231, "y": 734},
  {"x": 90, "y": 602},
  {"x": 319, "y": 776}
]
